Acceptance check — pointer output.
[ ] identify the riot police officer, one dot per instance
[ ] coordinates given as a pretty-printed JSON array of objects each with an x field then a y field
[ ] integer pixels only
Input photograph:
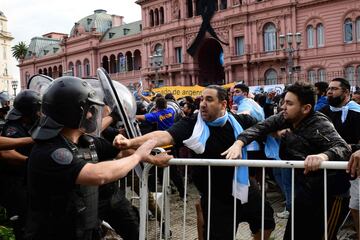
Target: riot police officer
[
  {"x": 18, "y": 122},
  {"x": 66, "y": 164},
  {"x": 4, "y": 107}
]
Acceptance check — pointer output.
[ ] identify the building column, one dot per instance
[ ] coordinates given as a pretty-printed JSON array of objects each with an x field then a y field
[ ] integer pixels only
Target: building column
[
  {"x": 182, "y": 78},
  {"x": 194, "y": 7},
  {"x": 246, "y": 73}
]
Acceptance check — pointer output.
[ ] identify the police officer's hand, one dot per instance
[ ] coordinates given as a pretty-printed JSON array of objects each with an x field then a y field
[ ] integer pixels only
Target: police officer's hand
[
  {"x": 144, "y": 152},
  {"x": 121, "y": 142},
  {"x": 353, "y": 166},
  {"x": 313, "y": 162},
  {"x": 234, "y": 152}
]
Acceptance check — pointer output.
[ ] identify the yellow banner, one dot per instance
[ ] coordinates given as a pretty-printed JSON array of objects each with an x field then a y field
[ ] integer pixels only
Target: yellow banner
[{"x": 180, "y": 91}]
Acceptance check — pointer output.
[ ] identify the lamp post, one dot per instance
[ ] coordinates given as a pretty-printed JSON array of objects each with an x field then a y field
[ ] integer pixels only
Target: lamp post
[
  {"x": 14, "y": 85},
  {"x": 289, "y": 51},
  {"x": 156, "y": 61}
]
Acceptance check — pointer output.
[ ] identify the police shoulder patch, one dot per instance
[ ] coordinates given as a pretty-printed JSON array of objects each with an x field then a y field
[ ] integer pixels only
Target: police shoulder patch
[
  {"x": 11, "y": 131},
  {"x": 62, "y": 156}
]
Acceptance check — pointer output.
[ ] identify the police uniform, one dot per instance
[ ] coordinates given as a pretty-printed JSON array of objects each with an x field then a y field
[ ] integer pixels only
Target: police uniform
[{"x": 59, "y": 208}]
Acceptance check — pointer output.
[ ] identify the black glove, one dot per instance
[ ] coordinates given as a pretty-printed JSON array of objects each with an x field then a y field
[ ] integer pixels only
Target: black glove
[{"x": 115, "y": 115}]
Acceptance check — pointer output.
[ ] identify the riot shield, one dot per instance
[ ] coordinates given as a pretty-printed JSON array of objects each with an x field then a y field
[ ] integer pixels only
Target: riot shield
[
  {"x": 119, "y": 98},
  {"x": 39, "y": 83}
]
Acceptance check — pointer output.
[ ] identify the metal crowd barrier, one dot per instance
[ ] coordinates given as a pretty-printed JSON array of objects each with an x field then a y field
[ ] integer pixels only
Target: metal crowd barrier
[{"x": 165, "y": 203}]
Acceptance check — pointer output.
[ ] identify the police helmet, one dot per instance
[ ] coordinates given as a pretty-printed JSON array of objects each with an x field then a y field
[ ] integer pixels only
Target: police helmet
[
  {"x": 26, "y": 104},
  {"x": 67, "y": 99},
  {"x": 4, "y": 99}
]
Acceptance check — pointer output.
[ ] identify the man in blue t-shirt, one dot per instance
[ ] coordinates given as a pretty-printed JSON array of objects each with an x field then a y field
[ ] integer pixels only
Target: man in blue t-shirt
[{"x": 163, "y": 116}]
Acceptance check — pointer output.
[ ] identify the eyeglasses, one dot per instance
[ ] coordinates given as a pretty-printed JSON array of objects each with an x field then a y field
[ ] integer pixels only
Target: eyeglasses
[{"x": 333, "y": 89}]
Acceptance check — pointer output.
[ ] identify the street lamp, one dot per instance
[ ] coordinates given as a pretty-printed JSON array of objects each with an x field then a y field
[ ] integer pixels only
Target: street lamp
[
  {"x": 14, "y": 85},
  {"x": 156, "y": 61},
  {"x": 289, "y": 50}
]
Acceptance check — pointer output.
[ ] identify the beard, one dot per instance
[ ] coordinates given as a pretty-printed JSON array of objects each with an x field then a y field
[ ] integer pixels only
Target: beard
[{"x": 335, "y": 101}]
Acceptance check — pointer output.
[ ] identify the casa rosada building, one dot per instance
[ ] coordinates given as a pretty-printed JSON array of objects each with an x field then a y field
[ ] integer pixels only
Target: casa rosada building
[{"x": 188, "y": 42}]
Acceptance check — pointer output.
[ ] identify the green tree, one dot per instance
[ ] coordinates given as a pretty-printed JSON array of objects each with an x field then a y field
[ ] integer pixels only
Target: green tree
[{"x": 19, "y": 50}]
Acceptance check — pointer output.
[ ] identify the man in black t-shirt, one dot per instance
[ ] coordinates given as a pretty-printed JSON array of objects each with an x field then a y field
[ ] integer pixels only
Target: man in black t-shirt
[
  {"x": 64, "y": 167},
  {"x": 221, "y": 128}
]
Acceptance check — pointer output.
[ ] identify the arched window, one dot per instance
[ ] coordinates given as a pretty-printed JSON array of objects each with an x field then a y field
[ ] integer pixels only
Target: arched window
[
  {"x": 45, "y": 71},
  {"x": 113, "y": 68},
  {"x": 71, "y": 68},
  {"x": 348, "y": 33},
  {"x": 129, "y": 61},
  {"x": 269, "y": 37},
  {"x": 151, "y": 18},
  {"x": 189, "y": 8},
  {"x": 310, "y": 36},
  {"x": 358, "y": 29},
  {"x": 320, "y": 35},
  {"x": 60, "y": 71},
  {"x": 78, "y": 69},
  {"x": 40, "y": 71},
  {"x": 105, "y": 63},
  {"x": 322, "y": 75},
  {"x": 137, "y": 60},
  {"x": 312, "y": 76},
  {"x": 350, "y": 73},
  {"x": 87, "y": 67},
  {"x": 162, "y": 15},
  {"x": 270, "y": 77},
  {"x": 156, "y": 17},
  {"x": 50, "y": 72},
  {"x": 122, "y": 62}
]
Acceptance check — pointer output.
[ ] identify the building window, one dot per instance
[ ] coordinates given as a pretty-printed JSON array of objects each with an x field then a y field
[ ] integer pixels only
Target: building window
[
  {"x": 161, "y": 15},
  {"x": 322, "y": 75},
  {"x": 4, "y": 52},
  {"x": 189, "y": 8},
  {"x": 239, "y": 46},
  {"x": 349, "y": 73},
  {"x": 311, "y": 76},
  {"x": 348, "y": 35},
  {"x": 78, "y": 69},
  {"x": 71, "y": 68},
  {"x": 358, "y": 75},
  {"x": 320, "y": 35},
  {"x": 310, "y": 36},
  {"x": 269, "y": 37},
  {"x": 223, "y": 4},
  {"x": 270, "y": 77},
  {"x": 151, "y": 18},
  {"x": 358, "y": 29},
  {"x": 178, "y": 52},
  {"x": 87, "y": 67},
  {"x": 156, "y": 17}
]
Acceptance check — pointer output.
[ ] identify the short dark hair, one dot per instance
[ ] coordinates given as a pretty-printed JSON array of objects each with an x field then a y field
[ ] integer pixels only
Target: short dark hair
[
  {"x": 357, "y": 92},
  {"x": 191, "y": 106},
  {"x": 322, "y": 87},
  {"x": 221, "y": 92},
  {"x": 243, "y": 87},
  {"x": 305, "y": 92},
  {"x": 344, "y": 84},
  {"x": 161, "y": 103},
  {"x": 189, "y": 99},
  {"x": 170, "y": 96}
]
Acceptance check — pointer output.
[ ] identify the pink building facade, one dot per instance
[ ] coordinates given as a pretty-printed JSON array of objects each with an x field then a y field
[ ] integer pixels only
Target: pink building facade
[{"x": 260, "y": 42}]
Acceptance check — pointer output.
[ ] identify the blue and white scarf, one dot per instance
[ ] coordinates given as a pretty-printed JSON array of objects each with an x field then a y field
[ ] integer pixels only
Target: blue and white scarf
[
  {"x": 197, "y": 143},
  {"x": 353, "y": 106}
]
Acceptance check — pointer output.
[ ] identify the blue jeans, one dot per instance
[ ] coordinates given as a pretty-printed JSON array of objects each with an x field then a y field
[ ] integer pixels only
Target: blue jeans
[{"x": 283, "y": 178}]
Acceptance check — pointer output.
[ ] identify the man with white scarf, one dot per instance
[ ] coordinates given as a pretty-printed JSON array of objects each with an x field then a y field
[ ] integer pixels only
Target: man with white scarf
[
  {"x": 208, "y": 134},
  {"x": 345, "y": 115}
]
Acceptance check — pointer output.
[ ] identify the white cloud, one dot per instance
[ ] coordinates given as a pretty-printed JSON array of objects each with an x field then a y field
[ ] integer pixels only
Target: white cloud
[{"x": 30, "y": 18}]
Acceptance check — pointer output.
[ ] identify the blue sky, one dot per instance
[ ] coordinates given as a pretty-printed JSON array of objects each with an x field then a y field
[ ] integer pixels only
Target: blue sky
[{"x": 30, "y": 18}]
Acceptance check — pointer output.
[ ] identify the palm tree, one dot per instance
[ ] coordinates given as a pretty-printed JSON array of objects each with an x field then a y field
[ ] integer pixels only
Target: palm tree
[{"x": 19, "y": 51}]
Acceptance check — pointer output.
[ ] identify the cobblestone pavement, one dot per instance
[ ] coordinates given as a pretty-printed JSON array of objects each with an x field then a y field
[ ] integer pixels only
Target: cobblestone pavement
[{"x": 243, "y": 233}]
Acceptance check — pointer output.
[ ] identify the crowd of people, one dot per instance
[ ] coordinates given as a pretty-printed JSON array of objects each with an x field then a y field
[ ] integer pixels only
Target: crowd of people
[{"x": 63, "y": 152}]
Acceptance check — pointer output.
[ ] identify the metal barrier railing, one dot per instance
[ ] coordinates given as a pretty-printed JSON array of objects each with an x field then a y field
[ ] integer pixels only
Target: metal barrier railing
[{"x": 165, "y": 204}]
